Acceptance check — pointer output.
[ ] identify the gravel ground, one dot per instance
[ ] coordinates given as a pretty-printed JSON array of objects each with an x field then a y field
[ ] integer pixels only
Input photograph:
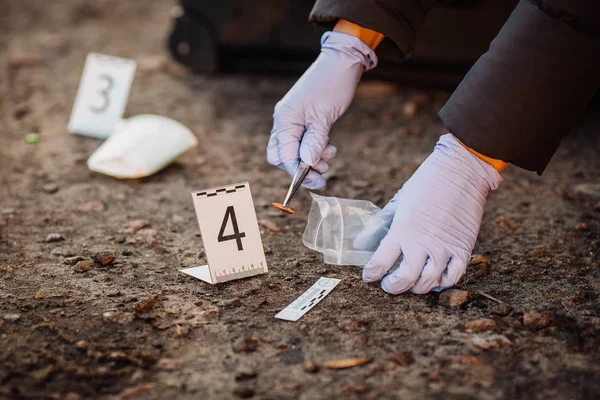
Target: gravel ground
[{"x": 138, "y": 328}]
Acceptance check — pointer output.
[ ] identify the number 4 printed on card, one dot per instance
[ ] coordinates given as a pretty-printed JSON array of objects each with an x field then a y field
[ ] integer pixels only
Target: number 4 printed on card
[{"x": 230, "y": 234}]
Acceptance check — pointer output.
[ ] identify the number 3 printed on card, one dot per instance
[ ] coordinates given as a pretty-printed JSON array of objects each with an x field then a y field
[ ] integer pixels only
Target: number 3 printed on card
[{"x": 102, "y": 95}]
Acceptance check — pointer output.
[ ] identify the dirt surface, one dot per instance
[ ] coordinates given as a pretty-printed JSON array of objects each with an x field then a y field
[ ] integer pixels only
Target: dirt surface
[{"x": 138, "y": 328}]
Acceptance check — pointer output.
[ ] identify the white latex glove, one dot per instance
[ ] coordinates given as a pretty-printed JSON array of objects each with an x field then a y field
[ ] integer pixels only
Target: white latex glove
[
  {"x": 435, "y": 220},
  {"x": 303, "y": 118}
]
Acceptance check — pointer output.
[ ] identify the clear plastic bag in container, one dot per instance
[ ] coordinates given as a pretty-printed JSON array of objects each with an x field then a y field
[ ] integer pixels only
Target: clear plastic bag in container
[{"x": 346, "y": 231}]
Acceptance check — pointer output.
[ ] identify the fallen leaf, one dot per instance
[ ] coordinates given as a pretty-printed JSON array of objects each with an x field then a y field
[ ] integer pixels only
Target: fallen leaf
[
  {"x": 347, "y": 363},
  {"x": 39, "y": 294},
  {"x": 147, "y": 305},
  {"x": 356, "y": 389}
]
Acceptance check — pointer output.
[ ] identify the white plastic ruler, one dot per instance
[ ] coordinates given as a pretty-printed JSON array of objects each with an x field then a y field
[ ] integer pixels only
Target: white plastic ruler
[{"x": 308, "y": 299}]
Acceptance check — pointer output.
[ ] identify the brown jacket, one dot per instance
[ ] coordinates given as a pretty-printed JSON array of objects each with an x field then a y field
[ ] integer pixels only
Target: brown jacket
[{"x": 521, "y": 97}]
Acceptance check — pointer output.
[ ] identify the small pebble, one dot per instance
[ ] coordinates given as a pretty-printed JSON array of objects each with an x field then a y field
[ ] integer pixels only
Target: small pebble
[
  {"x": 54, "y": 237},
  {"x": 104, "y": 257},
  {"x": 454, "y": 298},
  {"x": 12, "y": 317},
  {"x": 50, "y": 188},
  {"x": 311, "y": 367},
  {"x": 244, "y": 373},
  {"x": 82, "y": 266},
  {"x": 492, "y": 342},
  {"x": 246, "y": 345},
  {"x": 243, "y": 392},
  {"x": 502, "y": 309},
  {"x": 57, "y": 252},
  {"x": 480, "y": 325},
  {"x": 536, "y": 321},
  {"x": 403, "y": 359},
  {"x": 73, "y": 260}
]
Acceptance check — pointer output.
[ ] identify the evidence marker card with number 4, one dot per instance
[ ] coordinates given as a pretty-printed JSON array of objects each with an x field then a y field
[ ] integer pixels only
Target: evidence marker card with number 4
[
  {"x": 230, "y": 234},
  {"x": 102, "y": 95}
]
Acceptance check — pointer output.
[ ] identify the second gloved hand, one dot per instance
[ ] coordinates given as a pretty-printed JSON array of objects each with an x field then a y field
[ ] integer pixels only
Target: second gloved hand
[
  {"x": 303, "y": 118},
  {"x": 435, "y": 220}
]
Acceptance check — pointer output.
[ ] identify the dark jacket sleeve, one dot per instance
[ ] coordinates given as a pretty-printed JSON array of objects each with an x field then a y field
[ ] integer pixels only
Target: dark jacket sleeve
[
  {"x": 398, "y": 20},
  {"x": 532, "y": 86}
]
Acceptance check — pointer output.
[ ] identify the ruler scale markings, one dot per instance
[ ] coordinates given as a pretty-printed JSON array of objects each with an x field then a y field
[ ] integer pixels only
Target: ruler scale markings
[{"x": 306, "y": 301}]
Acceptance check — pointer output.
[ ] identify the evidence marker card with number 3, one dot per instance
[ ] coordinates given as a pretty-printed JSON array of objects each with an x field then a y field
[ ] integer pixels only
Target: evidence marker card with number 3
[
  {"x": 230, "y": 234},
  {"x": 102, "y": 95}
]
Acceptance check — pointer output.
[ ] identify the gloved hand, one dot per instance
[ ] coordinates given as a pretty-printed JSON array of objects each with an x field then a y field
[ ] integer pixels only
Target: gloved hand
[
  {"x": 435, "y": 220},
  {"x": 303, "y": 118}
]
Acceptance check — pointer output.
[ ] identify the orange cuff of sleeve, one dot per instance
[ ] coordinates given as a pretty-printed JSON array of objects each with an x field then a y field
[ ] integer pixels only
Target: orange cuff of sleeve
[
  {"x": 499, "y": 165},
  {"x": 368, "y": 36}
]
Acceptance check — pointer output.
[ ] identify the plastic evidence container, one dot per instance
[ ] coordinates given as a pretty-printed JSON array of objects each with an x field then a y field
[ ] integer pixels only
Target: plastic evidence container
[{"x": 335, "y": 224}]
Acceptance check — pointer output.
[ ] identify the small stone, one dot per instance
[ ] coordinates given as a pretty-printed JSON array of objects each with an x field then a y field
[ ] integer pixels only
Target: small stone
[
  {"x": 481, "y": 264},
  {"x": 245, "y": 373},
  {"x": 104, "y": 258},
  {"x": 7, "y": 211},
  {"x": 582, "y": 227},
  {"x": 81, "y": 345},
  {"x": 168, "y": 364},
  {"x": 311, "y": 367},
  {"x": 118, "y": 317},
  {"x": 136, "y": 225},
  {"x": 480, "y": 325},
  {"x": 82, "y": 266},
  {"x": 403, "y": 359},
  {"x": 91, "y": 206},
  {"x": 477, "y": 259},
  {"x": 234, "y": 302},
  {"x": 502, "y": 309},
  {"x": 73, "y": 260},
  {"x": 12, "y": 317},
  {"x": 267, "y": 249},
  {"x": 246, "y": 345},
  {"x": 57, "y": 252},
  {"x": 178, "y": 219},
  {"x": 536, "y": 321},
  {"x": 243, "y": 392},
  {"x": 50, "y": 188},
  {"x": 39, "y": 294},
  {"x": 492, "y": 342},
  {"x": 454, "y": 298},
  {"x": 54, "y": 237}
]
